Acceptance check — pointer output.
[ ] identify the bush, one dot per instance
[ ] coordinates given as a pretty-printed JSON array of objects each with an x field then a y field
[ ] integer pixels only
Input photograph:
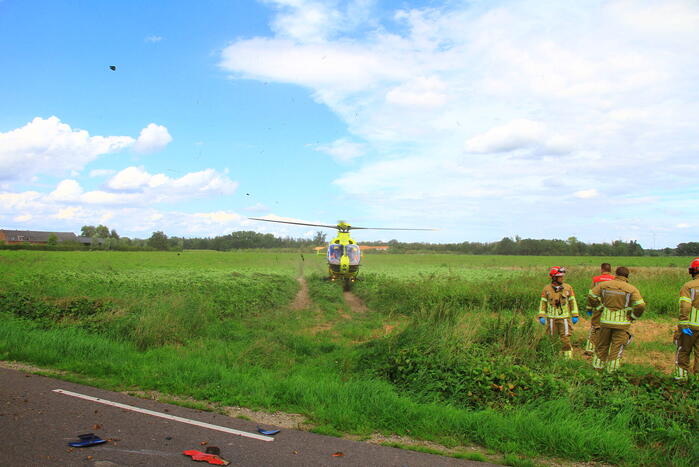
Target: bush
[{"x": 465, "y": 358}]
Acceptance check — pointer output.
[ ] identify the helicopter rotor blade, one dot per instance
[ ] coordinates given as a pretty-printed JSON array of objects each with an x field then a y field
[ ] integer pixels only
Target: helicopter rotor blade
[
  {"x": 295, "y": 223},
  {"x": 385, "y": 228},
  {"x": 328, "y": 226}
]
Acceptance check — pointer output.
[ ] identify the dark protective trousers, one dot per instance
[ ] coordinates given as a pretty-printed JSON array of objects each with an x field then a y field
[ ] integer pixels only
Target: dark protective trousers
[{"x": 609, "y": 347}]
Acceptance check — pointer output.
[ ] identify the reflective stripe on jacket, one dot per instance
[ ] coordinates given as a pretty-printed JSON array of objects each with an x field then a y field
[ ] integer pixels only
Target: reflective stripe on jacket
[
  {"x": 559, "y": 303},
  {"x": 596, "y": 280},
  {"x": 689, "y": 305},
  {"x": 619, "y": 302}
]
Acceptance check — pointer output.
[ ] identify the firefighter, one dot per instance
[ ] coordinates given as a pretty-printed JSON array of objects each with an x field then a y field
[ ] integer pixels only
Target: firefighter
[
  {"x": 619, "y": 304},
  {"x": 558, "y": 308},
  {"x": 687, "y": 336},
  {"x": 605, "y": 275}
]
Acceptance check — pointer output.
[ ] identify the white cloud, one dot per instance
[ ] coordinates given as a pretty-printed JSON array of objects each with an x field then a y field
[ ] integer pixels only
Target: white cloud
[
  {"x": 67, "y": 190},
  {"x": 257, "y": 207},
  {"x": 668, "y": 19},
  {"x": 342, "y": 150},
  {"x": 136, "y": 220},
  {"x": 323, "y": 66},
  {"x": 586, "y": 194},
  {"x": 475, "y": 114},
  {"x": 14, "y": 202},
  {"x": 70, "y": 213},
  {"x": 153, "y": 138},
  {"x": 130, "y": 178},
  {"x": 129, "y": 213},
  {"x": 153, "y": 38},
  {"x": 102, "y": 172},
  {"x": 135, "y": 183},
  {"x": 419, "y": 93},
  {"x": 305, "y": 20},
  {"x": 105, "y": 198},
  {"x": 318, "y": 20},
  {"x": 49, "y": 146},
  {"x": 132, "y": 186},
  {"x": 218, "y": 217},
  {"x": 518, "y": 134}
]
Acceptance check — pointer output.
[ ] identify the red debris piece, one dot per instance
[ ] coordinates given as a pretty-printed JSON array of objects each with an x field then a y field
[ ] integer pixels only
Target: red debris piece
[
  {"x": 338, "y": 454},
  {"x": 204, "y": 457}
]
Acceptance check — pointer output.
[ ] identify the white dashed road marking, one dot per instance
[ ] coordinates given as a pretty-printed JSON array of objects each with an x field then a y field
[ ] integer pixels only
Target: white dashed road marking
[{"x": 166, "y": 416}]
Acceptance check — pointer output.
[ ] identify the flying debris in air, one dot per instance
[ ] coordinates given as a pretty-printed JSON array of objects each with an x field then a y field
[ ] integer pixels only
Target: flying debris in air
[{"x": 112, "y": 67}]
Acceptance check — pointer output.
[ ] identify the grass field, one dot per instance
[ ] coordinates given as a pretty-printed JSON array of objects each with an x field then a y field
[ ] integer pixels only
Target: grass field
[{"x": 442, "y": 348}]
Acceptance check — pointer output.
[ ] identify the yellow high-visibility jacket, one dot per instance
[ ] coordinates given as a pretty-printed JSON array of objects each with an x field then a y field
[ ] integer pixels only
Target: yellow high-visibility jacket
[
  {"x": 619, "y": 302},
  {"x": 689, "y": 305},
  {"x": 558, "y": 301}
]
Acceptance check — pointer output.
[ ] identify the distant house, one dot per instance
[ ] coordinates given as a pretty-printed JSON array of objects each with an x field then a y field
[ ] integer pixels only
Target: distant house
[{"x": 15, "y": 237}]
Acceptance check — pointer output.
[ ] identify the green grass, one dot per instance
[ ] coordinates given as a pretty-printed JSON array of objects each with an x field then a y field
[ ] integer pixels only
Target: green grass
[{"x": 465, "y": 362}]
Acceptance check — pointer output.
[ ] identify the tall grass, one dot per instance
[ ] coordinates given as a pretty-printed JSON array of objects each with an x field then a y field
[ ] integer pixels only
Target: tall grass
[
  {"x": 502, "y": 289},
  {"x": 466, "y": 362},
  {"x": 359, "y": 405}
]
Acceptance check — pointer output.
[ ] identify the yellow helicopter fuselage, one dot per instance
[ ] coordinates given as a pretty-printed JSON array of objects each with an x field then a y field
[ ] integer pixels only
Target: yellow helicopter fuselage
[
  {"x": 343, "y": 256},
  {"x": 343, "y": 252}
]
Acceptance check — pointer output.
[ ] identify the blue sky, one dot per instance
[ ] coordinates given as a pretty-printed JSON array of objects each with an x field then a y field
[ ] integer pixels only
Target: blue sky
[{"x": 485, "y": 119}]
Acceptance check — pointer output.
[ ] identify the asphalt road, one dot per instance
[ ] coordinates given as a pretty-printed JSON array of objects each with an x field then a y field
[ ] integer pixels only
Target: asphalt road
[{"x": 36, "y": 424}]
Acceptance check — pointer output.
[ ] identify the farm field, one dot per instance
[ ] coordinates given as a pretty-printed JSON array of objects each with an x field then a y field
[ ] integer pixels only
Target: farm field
[{"x": 438, "y": 348}]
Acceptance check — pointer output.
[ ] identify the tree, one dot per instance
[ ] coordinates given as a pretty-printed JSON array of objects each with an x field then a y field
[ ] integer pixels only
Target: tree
[
  {"x": 158, "y": 241},
  {"x": 505, "y": 247},
  {"x": 320, "y": 238},
  {"x": 52, "y": 241},
  {"x": 114, "y": 234},
  {"x": 688, "y": 249},
  {"x": 87, "y": 231},
  {"x": 102, "y": 231}
]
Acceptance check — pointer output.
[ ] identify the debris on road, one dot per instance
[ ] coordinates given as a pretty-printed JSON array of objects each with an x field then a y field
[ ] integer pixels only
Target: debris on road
[
  {"x": 86, "y": 440},
  {"x": 267, "y": 432},
  {"x": 204, "y": 457}
]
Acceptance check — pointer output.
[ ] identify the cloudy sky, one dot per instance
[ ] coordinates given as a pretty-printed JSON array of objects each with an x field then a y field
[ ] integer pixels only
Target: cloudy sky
[{"x": 544, "y": 119}]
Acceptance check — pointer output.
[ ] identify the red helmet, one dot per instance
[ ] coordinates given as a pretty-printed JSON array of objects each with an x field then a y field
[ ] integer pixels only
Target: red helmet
[
  {"x": 694, "y": 266},
  {"x": 557, "y": 271}
]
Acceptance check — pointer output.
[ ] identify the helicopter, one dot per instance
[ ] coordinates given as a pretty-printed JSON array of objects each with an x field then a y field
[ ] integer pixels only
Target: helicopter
[{"x": 344, "y": 255}]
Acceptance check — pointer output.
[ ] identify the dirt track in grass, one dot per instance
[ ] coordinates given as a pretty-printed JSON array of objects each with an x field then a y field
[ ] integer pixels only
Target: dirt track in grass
[
  {"x": 302, "y": 300},
  {"x": 355, "y": 303}
]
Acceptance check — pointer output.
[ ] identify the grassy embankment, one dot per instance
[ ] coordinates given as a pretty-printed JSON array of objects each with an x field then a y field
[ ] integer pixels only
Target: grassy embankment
[{"x": 447, "y": 354}]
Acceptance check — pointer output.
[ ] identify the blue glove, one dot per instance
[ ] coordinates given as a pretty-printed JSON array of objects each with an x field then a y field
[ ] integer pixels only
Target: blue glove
[
  {"x": 542, "y": 321},
  {"x": 688, "y": 331},
  {"x": 589, "y": 312},
  {"x": 575, "y": 319}
]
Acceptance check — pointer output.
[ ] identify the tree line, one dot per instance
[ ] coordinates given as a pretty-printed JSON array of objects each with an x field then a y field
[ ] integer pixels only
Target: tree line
[{"x": 104, "y": 238}]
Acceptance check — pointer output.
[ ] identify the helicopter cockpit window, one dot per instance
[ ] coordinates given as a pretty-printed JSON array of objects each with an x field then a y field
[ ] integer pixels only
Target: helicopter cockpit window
[
  {"x": 353, "y": 254},
  {"x": 334, "y": 254}
]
